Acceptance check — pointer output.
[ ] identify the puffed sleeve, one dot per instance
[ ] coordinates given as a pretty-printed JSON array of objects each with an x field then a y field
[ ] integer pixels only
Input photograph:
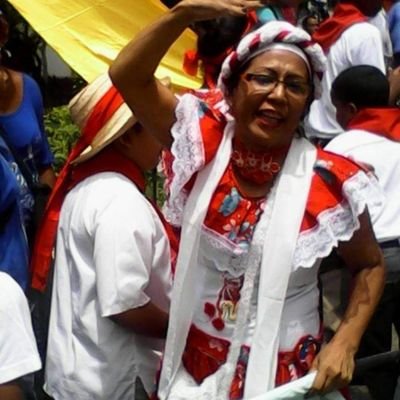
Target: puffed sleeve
[
  {"x": 340, "y": 192},
  {"x": 196, "y": 134}
]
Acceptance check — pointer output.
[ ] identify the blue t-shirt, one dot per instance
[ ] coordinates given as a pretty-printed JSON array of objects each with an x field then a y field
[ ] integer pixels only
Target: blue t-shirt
[
  {"x": 24, "y": 129},
  {"x": 394, "y": 26},
  {"x": 270, "y": 13},
  {"x": 13, "y": 241}
]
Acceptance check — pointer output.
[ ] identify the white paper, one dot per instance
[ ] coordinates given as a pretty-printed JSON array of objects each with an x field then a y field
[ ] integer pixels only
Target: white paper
[{"x": 296, "y": 390}]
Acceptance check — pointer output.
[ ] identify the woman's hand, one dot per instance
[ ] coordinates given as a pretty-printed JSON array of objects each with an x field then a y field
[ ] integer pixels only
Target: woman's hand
[
  {"x": 335, "y": 366},
  {"x": 200, "y": 10}
]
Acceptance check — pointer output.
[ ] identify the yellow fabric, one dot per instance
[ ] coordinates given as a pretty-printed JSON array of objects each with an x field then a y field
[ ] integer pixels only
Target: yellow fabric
[{"x": 88, "y": 34}]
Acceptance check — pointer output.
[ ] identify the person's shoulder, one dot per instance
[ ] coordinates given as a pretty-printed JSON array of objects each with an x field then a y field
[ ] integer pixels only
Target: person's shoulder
[
  {"x": 395, "y": 10},
  {"x": 11, "y": 293},
  {"x": 332, "y": 171},
  {"x": 32, "y": 92},
  {"x": 337, "y": 181},
  {"x": 109, "y": 197},
  {"x": 212, "y": 112},
  {"x": 337, "y": 165},
  {"x": 348, "y": 139},
  {"x": 104, "y": 186},
  {"x": 361, "y": 31},
  {"x": 30, "y": 83}
]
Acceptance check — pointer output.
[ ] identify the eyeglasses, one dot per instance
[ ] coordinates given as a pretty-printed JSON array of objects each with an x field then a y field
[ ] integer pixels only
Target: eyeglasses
[{"x": 268, "y": 82}]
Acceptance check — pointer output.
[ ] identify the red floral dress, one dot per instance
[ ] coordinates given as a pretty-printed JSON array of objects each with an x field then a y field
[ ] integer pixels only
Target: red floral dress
[{"x": 339, "y": 193}]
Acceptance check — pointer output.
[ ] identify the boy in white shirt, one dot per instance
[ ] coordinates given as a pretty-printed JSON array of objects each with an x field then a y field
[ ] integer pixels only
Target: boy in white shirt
[
  {"x": 372, "y": 137},
  {"x": 112, "y": 273}
]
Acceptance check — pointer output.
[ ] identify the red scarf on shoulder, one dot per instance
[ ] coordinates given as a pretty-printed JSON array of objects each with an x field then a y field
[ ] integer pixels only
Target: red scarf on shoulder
[
  {"x": 380, "y": 121},
  {"x": 344, "y": 16},
  {"x": 108, "y": 160}
]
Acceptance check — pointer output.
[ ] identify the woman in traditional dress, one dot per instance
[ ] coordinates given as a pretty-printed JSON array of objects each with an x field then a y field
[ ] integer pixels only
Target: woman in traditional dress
[{"x": 258, "y": 207}]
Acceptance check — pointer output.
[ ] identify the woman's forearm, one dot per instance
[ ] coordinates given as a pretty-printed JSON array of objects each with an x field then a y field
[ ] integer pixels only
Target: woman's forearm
[
  {"x": 133, "y": 74},
  {"x": 137, "y": 62},
  {"x": 335, "y": 363},
  {"x": 133, "y": 70},
  {"x": 148, "y": 320},
  {"x": 367, "y": 290},
  {"x": 143, "y": 54}
]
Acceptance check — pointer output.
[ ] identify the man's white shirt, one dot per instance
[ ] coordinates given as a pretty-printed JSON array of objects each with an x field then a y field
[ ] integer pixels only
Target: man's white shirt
[
  {"x": 384, "y": 156},
  {"x": 112, "y": 256},
  {"x": 360, "y": 44}
]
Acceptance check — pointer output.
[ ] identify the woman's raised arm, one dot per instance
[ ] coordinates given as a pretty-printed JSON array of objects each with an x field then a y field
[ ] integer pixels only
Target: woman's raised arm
[{"x": 133, "y": 70}]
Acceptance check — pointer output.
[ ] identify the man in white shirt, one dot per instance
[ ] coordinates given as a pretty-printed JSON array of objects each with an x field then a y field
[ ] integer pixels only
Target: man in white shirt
[
  {"x": 348, "y": 39},
  {"x": 18, "y": 352},
  {"x": 112, "y": 273},
  {"x": 372, "y": 137},
  {"x": 380, "y": 21}
]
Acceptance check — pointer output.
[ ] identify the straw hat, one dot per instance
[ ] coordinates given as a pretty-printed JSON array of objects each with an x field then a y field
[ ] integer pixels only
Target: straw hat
[
  {"x": 100, "y": 100},
  {"x": 101, "y": 115}
]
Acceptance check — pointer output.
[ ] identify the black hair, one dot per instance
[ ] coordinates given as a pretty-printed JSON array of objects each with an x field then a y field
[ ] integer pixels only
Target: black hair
[
  {"x": 170, "y": 3},
  {"x": 362, "y": 85},
  {"x": 3, "y": 29},
  {"x": 369, "y": 8},
  {"x": 137, "y": 127},
  {"x": 217, "y": 35}
]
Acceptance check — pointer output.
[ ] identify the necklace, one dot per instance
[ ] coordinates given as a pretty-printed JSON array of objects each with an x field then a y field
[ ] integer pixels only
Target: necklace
[{"x": 258, "y": 167}]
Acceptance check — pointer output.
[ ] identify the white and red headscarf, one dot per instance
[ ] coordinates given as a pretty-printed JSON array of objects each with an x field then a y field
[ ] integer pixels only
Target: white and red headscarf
[{"x": 289, "y": 37}]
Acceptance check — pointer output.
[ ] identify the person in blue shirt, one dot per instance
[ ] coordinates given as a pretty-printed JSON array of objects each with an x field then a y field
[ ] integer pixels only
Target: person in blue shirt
[
  {"x": 13, "y": 241},
  {"x": 22, "y": 129},
  {"x": 22, "y": 123},
  {"x": 394, "y": 28}
]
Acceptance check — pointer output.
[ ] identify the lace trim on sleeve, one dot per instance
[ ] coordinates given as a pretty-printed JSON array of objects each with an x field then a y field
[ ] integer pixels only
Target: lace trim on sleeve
[
  {"x": 188, "y": 152},
  {"x": 338, "y": 223}
]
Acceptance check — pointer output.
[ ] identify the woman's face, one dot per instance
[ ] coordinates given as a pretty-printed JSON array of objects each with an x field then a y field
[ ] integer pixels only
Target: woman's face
[{"x": 270, "y": 99}]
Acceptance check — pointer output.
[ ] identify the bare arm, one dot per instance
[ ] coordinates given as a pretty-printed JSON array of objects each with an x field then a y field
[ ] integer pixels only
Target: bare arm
[
  {"x": 335, "y": 363},
  {"x": 133, "y": 70},
  {"x": 147, "y": 320},
  {"x": 11, "y": 391}
]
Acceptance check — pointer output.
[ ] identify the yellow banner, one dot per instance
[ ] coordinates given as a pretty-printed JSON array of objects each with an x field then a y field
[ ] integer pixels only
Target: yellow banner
[{"x": 88, "y": 34}]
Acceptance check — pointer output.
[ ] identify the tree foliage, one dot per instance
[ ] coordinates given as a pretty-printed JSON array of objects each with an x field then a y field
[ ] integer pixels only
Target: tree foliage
[{"x": 61, "y": 132}]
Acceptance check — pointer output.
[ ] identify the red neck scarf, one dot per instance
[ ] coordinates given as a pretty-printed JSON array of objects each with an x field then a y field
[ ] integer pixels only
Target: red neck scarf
[
  {"x": 380, "y": 121},
  {"x": 257, "y": 167},
  {"x": 108, "y": 160},
  {"x": 330, "y": 30}
]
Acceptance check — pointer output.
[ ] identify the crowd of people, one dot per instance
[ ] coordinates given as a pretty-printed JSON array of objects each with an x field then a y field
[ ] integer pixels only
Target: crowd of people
[{"x": 285, "y": 162}]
